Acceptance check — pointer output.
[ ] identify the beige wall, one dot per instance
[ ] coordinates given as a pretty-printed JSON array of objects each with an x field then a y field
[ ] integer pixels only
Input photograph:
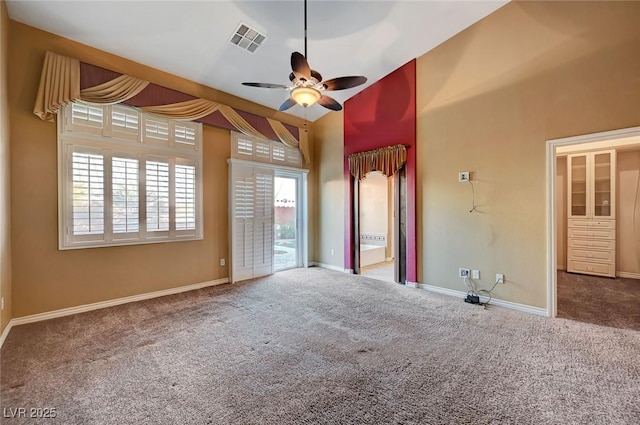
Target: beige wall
[
  {"x": 5, "y": 166},
  {"x": 488, "y": 99},
  {"x": 329, "y": 210},
  {"x": 46, "y": 279}
]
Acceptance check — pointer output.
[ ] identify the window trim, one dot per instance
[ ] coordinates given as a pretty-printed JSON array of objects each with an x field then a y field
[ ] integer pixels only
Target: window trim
[{"x": 71, "y": 138}]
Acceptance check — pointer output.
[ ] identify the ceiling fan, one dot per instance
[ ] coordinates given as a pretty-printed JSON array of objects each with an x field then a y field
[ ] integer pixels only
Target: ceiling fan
[{"x": 307, "y": 85}]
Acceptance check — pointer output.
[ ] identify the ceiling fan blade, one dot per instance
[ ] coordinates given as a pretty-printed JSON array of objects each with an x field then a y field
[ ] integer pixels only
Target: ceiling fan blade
[
  {"x": 329, "y": 103},
  {"x": 287, "y": 104},
  {"x": 266, "y": 85},
  {"x": 315, "y": 74},
  {"x": 300, "y": 66},
  {"x": 342, "y": 83}
]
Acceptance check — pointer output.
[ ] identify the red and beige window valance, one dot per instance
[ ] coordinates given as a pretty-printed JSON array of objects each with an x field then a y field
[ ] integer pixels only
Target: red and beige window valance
[
  {"x": 65, "y": 80},
  {"x": 387, "y": 160}
]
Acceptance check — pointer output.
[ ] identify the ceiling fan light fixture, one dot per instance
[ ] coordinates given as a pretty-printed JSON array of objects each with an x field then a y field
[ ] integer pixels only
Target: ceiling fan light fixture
[
  {"x": 307, "y": 83},
  {"x": 305, "y": 96}
]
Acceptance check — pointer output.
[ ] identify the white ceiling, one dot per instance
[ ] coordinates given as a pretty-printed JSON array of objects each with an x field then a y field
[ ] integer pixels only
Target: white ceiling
[{"x": 191, "y": 38}]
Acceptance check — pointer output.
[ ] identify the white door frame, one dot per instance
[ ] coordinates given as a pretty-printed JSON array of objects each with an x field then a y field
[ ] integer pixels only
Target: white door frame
[
  {"x": 302, "y": 218},
  {"x": 552, "y": 243}
]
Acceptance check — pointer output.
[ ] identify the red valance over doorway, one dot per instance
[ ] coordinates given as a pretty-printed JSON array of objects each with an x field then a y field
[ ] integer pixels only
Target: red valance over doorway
[{"x": 387, "y": 160}]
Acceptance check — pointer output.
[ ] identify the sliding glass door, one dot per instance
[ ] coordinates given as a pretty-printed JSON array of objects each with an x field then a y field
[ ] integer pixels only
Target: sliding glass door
[
  {"x": 268, "y": 230},
  {"x": 288, "y": 212}
]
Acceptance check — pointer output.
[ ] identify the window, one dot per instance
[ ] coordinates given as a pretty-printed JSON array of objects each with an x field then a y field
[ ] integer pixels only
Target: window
[
  {"x": 257, "y": 224},
  {"x": 127, "y": 177},
  {"x": 267, "y": 151}
]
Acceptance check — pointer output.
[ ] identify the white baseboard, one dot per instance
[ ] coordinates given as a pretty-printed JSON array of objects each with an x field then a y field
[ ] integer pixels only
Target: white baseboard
[
  {"x": 110, "y": 303},
  {"x": 5, "y": 332},
  {"x": 507, "y": 304},
  {"x": 628, "y": 275},
  {"x": 412, "y": 284},
  {"x": 330, "y": 267}
]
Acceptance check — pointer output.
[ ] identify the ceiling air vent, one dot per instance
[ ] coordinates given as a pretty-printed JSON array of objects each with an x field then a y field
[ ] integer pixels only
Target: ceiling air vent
[{"x": 247, "y": 38}]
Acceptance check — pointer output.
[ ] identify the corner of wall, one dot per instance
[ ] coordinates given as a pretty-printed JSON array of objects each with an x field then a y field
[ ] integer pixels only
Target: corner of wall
[
  {"x": 5, "y": 218},
  {"x": 328, "y": 189}
]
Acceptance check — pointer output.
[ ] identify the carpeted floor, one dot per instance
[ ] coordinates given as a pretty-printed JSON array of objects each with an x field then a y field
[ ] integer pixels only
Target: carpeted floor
[
  {"x": 599, "y": 300},
  {"x": 320, "y": 347}
]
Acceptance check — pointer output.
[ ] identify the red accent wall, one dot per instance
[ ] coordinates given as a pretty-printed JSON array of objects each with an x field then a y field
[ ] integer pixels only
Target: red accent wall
[{"x": 384, "y": 114}]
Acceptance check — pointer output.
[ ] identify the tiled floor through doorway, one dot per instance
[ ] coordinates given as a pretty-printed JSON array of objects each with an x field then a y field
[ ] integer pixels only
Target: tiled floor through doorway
[{"x": 380, "y": 271}]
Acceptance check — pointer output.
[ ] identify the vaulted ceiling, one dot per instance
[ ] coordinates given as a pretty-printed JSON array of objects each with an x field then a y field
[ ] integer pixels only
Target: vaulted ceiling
[{"x": 191, "y": 39}]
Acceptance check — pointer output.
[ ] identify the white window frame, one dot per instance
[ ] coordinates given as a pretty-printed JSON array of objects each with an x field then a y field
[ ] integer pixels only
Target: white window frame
[{"x": 110, "y": 142}]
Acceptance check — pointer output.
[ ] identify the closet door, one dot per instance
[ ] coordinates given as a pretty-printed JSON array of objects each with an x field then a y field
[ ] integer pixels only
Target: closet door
[{"x": 251, "y": 220}]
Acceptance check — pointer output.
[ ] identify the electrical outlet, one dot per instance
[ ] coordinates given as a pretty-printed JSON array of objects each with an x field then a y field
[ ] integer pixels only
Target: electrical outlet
[
  {"x": 499, "y": 278},
  {"x": 463, "y": 176},
  {"x": 476, "y": 274},
  {"x": 222, "y": 262},
  {"x": 463, "y": 272},
  {"x": 333, "y": 252}
]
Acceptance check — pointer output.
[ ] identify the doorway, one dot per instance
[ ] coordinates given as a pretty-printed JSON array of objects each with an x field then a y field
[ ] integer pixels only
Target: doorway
[
  {"x": 286, "y": 240},
  {"x": 376, "y": 215},
  {"x": 587, "y": 297},
  {"x": 256, "y": 191},
  {"x": 397, "y": 220}
]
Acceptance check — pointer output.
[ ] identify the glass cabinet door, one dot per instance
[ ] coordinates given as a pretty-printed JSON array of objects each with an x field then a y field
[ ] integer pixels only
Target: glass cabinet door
[
  {"x": 578, "y": 192},
  {"x": 602, "y": 185}
]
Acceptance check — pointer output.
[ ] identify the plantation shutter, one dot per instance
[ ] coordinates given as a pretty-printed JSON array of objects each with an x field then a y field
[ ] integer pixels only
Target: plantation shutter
[
  {"x": 87, "y": 203},
  {"x": 125, "y": 123},
  {"x": 125, "y": 196},
  {"x": 157, "y": 179},
  {"x": 85, "y": 118},
  {"x": 251, "y": 221},
  {"x": 263, "y": 222},
  {"x": 185, "y": 198}
]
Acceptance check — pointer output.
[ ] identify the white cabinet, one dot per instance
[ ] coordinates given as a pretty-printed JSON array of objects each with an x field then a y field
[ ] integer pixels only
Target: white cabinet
[{"x": 591, "y": 224}]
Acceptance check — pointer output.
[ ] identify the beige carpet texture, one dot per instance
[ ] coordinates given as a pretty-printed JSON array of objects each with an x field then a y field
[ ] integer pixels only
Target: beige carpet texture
[{"x": 313, "y": 346}]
